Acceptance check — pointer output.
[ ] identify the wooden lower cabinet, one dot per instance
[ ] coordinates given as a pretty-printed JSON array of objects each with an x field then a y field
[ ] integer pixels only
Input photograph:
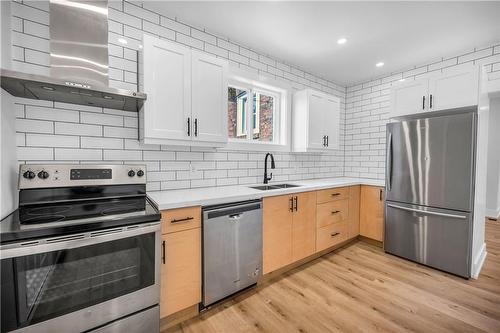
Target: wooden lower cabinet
[
  {"x": 354, "y": 206},
  {"x": 331, "y": 235},
  {"x": 277, "y": 232},
  {"x": 371, "y": 219},
  {"x": 180, "y": 271},
  {"x": 304, "y": 226},
  {"x": 289, "y": 223}
]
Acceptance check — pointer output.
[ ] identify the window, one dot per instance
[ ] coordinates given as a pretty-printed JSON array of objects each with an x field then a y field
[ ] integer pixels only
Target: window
[{"x": 254, "y": 114}]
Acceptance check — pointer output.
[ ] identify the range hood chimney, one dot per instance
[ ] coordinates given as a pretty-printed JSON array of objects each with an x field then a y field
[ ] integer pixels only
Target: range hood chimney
[{"x": 79, "y": 61}]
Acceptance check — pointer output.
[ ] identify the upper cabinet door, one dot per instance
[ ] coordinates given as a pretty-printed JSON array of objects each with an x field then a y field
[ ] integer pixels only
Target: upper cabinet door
[
  {"x": 167, "y": 82},
  {"x": 209, "y": 98},
  {"x": 454, "y": 89},
  {"x": 331, "y": 123},
  {"x": 316, "y": 132},
  {"x": 409, "y": 97}
]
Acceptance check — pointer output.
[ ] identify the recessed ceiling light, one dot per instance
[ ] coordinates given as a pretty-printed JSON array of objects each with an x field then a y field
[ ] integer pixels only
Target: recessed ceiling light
[
  {"x": 122, "y": 40},
  {"x": 341, "y": 41},
  {"x": 379, "y": 64}
]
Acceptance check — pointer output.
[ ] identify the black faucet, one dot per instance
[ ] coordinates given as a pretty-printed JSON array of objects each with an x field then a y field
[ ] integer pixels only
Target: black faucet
[{"x": 267, "y": 179}]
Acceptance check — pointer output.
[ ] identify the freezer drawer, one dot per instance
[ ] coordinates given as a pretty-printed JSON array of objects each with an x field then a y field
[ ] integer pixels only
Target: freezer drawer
[
  {"x": 430, "y": 161},
  {"x": 435, "y": 237},
  {"x": 232, "y": 249}
]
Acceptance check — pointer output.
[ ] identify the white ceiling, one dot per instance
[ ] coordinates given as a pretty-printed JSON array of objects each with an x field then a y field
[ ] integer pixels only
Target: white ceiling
[{"x": 305, "y": 34}]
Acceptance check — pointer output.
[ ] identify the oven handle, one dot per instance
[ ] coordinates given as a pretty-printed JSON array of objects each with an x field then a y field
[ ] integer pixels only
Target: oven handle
[{"x": 77, "y": 240}]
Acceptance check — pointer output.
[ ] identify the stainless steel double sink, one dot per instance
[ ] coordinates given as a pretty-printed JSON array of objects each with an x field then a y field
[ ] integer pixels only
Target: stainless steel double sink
[{"x": 273, "y": 187}]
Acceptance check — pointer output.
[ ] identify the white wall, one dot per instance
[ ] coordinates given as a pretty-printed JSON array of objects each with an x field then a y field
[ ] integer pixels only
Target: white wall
[
  {"x": 493, "y": 175},
  {"x": 50, "y": 132}
]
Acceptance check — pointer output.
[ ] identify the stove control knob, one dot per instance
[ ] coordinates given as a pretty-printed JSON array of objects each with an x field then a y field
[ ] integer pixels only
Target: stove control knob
[
  {"x": 29, "y": 175},
  {"x": 131, "y": 173},
  {"x": 43, "y": 175},
  {"x": 140, "y": 173}
]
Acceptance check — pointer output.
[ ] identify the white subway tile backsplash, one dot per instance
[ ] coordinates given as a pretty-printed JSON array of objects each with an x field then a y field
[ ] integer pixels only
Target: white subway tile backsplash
[
  {"x": 44, "y": 140},
  {"x": 62, "y": 133},
  {"x": 64, "y": 154},
  {"x": 189, "y": 41},
  {"x": 99, "y": 142},
  {"x": 78, "y": 129},
  {"x": 203, "y": 36},
  {"x": 176, "y": 26},
  {"x": 36, "y": 112},
  {"x": 120, "y": 155},
  {"x": 144, "y": 14},
  {"x": 35, "y": 154},
  {"x": 120, "y": 132},
  {"x": 34, "y": 126}
]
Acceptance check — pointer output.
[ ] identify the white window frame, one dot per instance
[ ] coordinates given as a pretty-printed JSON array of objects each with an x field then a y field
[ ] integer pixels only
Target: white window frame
[{"x": 281, "y": 91}]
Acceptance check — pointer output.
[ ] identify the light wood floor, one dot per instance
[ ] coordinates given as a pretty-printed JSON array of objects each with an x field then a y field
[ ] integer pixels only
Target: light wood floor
[{"x": 359, "y": 288}]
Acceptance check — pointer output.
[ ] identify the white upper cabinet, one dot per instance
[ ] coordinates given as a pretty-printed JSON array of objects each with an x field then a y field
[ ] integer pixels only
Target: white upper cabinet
[
  {"x": 316, "y": 121},
  {"x": 317, "y": 104},
  {"x": 186, "y": 95},
  {"x": 409, "y": 97},
  {"x": 452, "y": 89},
  {"x": 331, "y": 123},
  {"x": 167, "y": 83},
  {"x": 209, "y": 89}
]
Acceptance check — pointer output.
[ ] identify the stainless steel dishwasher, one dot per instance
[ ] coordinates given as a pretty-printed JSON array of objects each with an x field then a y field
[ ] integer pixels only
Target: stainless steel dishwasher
[{"x": 232, "y": 249}]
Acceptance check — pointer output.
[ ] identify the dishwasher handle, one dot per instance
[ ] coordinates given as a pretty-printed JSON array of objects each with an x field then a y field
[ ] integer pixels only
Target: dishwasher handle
[{"x": 232, "y": 210}]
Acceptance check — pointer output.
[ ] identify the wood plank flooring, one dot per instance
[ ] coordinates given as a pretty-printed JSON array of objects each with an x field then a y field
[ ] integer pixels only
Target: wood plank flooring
[{"x": 359, "y": 288}]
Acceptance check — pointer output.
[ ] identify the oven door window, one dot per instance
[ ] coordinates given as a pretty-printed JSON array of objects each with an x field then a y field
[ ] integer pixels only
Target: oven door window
[{"x": 51, "y": 284}]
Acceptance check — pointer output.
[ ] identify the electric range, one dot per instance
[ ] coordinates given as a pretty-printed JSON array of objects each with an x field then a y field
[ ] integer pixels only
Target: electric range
[{"x": 82, "y": 252}]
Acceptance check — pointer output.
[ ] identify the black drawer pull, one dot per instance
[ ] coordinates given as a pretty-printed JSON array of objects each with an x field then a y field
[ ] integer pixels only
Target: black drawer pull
[
  {"x": 335, "y": 194},
  {"x": 291, "y": 204},
  {"x": 335, "y": 211},
  {"x": 163, "y": 252},
  {"x": 182, "y": 220},
  {"x": 335, "y": 234}
]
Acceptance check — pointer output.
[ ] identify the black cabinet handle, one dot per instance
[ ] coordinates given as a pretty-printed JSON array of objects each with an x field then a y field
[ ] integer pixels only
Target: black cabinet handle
[
  {"x": 335, "y": 211},
  {"x": 335, "y": 194},
  {"x": 423, "y": 102},
  {"x": 182, "y": 220},
  {"x": 324, "y": 140},
  {"x": 380, "y": 195},
  {"x": 327, "y": 137},
  {"x": 195, "y": 126},
  {"x": 430, "y": 102},
  {"x": 296, "y": 200},
  {"x": 291, "y": 204},
  {"x": 335, "y": 234},
  {"x": 189, "y": 126},
  {"x": 163, "y": 252}
]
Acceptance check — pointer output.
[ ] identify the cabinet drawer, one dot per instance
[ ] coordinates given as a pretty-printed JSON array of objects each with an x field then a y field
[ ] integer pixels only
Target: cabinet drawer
[
  {"x": 331, "y": 235},
  {"x": 180, "y": 219},
  {"x": 333, "y": 194},
  {"x": 332, "y": 212}
]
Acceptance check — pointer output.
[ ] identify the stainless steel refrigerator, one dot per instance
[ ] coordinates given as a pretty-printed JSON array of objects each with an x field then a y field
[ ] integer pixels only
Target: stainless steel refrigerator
[{"x": 430, "y": 190}]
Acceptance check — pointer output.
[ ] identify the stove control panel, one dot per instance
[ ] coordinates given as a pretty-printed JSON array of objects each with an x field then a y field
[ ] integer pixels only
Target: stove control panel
[{"x": 62, "y": 175}]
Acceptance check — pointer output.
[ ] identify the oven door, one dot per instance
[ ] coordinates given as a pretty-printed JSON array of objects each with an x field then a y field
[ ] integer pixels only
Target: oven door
[{"x": 78, "y": 282}]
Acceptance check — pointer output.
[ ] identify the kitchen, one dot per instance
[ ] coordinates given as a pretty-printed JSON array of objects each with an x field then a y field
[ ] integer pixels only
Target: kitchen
[{"x": 164, "y": 171}]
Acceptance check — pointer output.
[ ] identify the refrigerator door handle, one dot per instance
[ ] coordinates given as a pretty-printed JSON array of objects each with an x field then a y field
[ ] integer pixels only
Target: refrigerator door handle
[
  {"x": 427, "y": 212},
  {"x": 389, "y": 164}
]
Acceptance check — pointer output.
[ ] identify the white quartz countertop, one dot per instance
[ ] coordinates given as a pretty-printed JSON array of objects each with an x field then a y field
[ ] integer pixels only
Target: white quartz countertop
[{"x": 205, "y": 196}]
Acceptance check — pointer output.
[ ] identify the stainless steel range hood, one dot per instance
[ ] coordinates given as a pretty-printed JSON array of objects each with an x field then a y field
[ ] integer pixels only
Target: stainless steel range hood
[{"x": 79, "y": 61}]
